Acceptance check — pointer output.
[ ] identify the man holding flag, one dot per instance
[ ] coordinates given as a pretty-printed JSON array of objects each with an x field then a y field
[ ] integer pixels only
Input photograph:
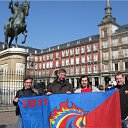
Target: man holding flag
[
  {"x": 60, "y": 85},
  {"x": 27, "y": 91},
  {"x": 123, "y": 90}
]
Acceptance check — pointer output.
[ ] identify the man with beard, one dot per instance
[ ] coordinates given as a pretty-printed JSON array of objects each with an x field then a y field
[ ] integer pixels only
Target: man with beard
[
  {"x": 85, "y": 85},
  {"x": 60, "y": 85}
]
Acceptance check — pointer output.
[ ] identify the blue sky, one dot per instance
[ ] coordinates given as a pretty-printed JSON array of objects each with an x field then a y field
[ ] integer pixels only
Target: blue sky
[{"x": 52, "y": 22}]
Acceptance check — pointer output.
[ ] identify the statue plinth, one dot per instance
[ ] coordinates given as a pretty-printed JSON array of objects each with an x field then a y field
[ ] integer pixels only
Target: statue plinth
[
  {"x": 13, "y": 59},
  {"x": 13, "y": 68}
]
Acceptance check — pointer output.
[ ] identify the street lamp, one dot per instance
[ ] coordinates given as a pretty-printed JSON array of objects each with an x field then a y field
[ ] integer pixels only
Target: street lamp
[{"x": 32, "y": 65}]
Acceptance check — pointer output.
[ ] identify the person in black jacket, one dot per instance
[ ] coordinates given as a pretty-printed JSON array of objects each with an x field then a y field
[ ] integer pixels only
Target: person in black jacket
[
  {"x": 60, "y": 85},
  {"x": 123, "y": 90},
  {"x": 27, "y": 91}
]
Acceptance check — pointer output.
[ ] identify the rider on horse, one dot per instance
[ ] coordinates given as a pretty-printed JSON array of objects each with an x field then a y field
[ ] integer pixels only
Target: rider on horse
[
  {"x": 14, "y": 10},
  {"x": 16, "y": 23}
]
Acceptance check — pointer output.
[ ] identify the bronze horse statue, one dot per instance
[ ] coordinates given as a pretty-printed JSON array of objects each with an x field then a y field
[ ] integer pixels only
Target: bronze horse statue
[{"x": 16, "y": 25}]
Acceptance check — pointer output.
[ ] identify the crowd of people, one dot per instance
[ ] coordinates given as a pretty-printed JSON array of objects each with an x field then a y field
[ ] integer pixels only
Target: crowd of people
[{"x": 61, "y": 86}]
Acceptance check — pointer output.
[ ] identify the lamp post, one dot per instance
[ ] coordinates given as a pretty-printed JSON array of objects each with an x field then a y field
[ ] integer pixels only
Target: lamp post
[{"x": 32, "y": 65}]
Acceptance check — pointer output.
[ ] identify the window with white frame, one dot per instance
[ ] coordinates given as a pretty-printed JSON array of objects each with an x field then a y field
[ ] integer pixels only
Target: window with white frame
[
  {"x": 44, "y": 58},
  {"x": 67, "y": 71},
  {"x": 63, "y": 53},
  {"x": 72, "y": 51},
  {"x": 77, "y": 70},
  {"x": 89, "y": 58},
  {"x": 43, "y": 73},
  {"x": 125, "y": 40},
  {"x": 104, "y": 44},
  {"x": 95, "y": 57},
  {"x": 83, "y": 49},
  {"x": 67, "y": 52},
  {"x": 36, "y": 73},
  {"x": 83, "y": 59},
  {"x": 36, "y": 58},
  {"x": 57, "y": 63},
  {"x": 77, "y": 60},
  {"x": 48, "y": 57},
  {"x": 47, "y": 73},
  {"x": 51, "y": 64},
  {"x": 89, "y": 48},
  {"x": 36, "y": 65},
  {"x": 125, "y": 52},
  {"x": 105, "y": 67},
  {"x": 105, "y": 56},
  {"x": 43, "y": 65},
  {"x": 40, "y": 58},
  {"x": 83, "y": 70},
  {"x": 95, "y": 47},
  {"x": 67, "y": 62},
  {"x": 71, "y": 71},
  {"x": 40, "y": 66},
  {"x": 115, "y": 54},
  {"x": 51, "y": 56},
  {"x": 57, "y": 54},
  {"x": 95, "y": 68},
  {"x": 113, "y": 66},
  {"x": 28, "y": 58},
  {"x": 47, "y": 65},
  {"x": 89, "y": 69},
  {"x": 39, "y": 73},
  {"x": 63, "y": 62},
  {"x": 72, "y": 61},
  {"x": 77, "y": 50},
  {"x": 114, "y": 42}
]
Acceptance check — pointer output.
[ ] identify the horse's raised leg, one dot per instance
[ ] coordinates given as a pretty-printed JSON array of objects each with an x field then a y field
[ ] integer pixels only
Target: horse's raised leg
[{"x": 25, "y": 36}]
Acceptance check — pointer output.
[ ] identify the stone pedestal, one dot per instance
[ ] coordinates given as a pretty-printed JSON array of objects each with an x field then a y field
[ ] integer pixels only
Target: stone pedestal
[
  {"x": 12, "y": 67},
  {"x": 13, "y": 59}
]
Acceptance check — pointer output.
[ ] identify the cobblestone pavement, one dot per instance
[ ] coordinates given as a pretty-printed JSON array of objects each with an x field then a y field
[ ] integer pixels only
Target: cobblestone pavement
[{"x": 8, "y": 119}]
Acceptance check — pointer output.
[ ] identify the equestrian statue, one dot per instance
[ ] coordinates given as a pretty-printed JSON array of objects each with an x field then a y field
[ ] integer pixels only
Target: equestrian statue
[{"x": 16, "y": 23}]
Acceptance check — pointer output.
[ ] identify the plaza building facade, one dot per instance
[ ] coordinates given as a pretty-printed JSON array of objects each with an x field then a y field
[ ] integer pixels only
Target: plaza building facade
[{"x": 78, "y": 57}]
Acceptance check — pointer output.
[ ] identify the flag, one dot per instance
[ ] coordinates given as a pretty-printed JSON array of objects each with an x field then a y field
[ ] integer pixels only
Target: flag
[{"x": 83, "y": 110}]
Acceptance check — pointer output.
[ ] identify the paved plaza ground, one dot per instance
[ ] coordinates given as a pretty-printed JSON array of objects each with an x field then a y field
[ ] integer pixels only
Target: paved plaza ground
[{"x": 8, "y": 119}]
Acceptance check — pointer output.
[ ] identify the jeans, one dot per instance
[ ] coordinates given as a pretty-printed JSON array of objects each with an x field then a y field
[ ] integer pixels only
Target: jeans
[
  {"x": 124, "y": 123},
  {"x": 19, "y": 123}
]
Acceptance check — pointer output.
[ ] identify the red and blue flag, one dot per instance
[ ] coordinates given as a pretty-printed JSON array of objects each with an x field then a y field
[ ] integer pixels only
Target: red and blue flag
[{"x": 83, "y": 110}]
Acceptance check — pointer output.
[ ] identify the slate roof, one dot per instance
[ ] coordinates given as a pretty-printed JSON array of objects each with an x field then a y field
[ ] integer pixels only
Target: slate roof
[{"x": 122, "y": 28}]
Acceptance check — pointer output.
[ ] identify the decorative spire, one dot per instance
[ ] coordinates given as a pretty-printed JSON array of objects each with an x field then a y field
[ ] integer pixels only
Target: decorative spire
[
  {"x": 108, "y": 8},
  {"x": 108, "y": 16}
]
